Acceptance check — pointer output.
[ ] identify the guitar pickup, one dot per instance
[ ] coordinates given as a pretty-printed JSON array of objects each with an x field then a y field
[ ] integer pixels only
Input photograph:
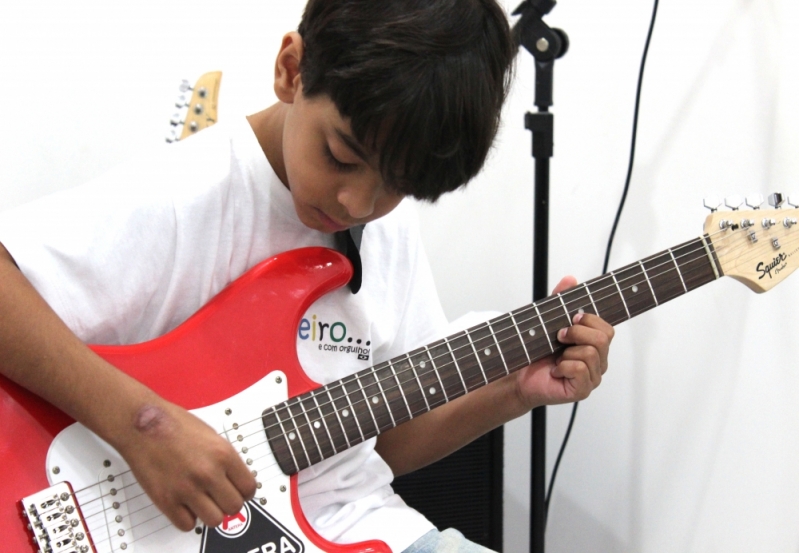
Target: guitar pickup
[{"x": 55, "y": 521}]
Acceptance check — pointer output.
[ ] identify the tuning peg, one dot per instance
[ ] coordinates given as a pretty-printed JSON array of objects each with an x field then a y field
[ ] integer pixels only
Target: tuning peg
[
  {"x": 733, "y": 202},
  {"x": 185, "y": 86},
  {"x": 776, "y": 200},
  {"x": 181, "y": 102},
  {"x": 754, "y": 201},
  {"x": 792, "y": 201},
  {"x": 712, "y": 203}
]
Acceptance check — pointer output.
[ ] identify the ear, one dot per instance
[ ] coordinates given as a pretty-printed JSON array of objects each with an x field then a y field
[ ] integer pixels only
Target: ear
[{"x": 287, "y": 68}]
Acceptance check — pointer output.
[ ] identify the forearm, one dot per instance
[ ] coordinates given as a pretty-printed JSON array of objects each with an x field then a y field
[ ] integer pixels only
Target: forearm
[
  {"x": 446, "y": 429},
  {"x": 40, "y": 353}
]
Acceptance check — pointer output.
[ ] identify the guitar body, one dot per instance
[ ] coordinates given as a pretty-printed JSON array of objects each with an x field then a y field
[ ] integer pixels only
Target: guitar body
[{"x": 233, "y": 358}]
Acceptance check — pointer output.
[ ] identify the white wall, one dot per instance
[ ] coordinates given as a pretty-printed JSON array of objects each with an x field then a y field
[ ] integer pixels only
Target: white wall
[{"x": 691, "y": 442}]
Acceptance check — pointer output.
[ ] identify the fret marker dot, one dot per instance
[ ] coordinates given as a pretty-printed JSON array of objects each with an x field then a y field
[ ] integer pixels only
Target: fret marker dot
[
  {"x": 317, "y": 424},
  {"x": 432, "y": 391},
  {"x": 634, "y": 288},
  {"x": 532, "y": 332},
  {"x": 421, "y": 364},
  {"x": 487, "y": 351},
  {"x": 345, "y": 413},
  {"x": 292, "y": 435},
  {"x": 375, "y": 400}
]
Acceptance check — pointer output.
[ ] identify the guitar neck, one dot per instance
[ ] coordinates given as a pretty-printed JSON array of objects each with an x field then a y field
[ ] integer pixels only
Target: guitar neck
[{"x": 314, "y": 426}]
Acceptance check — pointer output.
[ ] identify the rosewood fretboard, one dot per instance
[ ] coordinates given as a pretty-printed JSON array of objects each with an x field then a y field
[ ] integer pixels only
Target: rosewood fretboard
[{"x": 314, "y": 426}]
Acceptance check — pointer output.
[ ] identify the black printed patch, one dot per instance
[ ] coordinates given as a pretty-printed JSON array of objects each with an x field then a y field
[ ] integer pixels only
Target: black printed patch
[{"x": 252, "y": 530}]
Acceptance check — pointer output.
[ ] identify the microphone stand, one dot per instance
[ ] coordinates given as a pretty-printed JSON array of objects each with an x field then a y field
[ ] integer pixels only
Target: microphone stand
[{"x": 546, "y": 45}]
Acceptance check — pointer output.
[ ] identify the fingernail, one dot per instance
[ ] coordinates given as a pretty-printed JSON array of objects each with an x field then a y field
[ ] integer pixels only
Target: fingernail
[
  {"x": 578, "y": 317},
  {"x": 561, "y": 334}
]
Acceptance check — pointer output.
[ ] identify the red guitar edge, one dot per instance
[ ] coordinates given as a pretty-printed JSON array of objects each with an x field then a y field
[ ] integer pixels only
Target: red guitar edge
[{"x": 251, "y": 325}]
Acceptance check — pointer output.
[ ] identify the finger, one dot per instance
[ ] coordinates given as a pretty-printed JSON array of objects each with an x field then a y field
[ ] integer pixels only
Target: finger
[
  {"x": 182, "y": 518},
  {"x": 578, "y": 377},
  {"x": 580, "y": 334},
  {"x": 242, "y": 479},
  {"x": 590, "y": 357},
  {"x": 206, "y": 510},
  {"x": 564, "y": 284}
]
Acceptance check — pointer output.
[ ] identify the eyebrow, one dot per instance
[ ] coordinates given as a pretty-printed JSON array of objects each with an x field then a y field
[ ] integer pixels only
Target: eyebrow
[{"x": 352, "y": 144}]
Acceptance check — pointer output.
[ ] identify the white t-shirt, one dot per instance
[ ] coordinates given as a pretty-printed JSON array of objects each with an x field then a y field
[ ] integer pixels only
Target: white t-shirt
[{"x": 132, "y": 254}]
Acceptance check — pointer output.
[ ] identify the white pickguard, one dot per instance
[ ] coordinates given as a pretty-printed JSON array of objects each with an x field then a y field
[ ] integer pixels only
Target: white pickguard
[{"x": 120, "y": 517}]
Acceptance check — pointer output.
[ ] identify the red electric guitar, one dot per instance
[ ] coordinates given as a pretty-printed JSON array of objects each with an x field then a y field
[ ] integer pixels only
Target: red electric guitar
[{"x": 234, "y": 365}]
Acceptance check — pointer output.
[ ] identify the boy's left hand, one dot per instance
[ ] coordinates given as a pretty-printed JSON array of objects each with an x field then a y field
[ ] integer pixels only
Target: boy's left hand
[{"x": 574, "y": 374}]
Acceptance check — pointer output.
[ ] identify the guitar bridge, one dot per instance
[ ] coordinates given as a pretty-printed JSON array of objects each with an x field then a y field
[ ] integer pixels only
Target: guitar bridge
[{"x": 55, "y": 521}]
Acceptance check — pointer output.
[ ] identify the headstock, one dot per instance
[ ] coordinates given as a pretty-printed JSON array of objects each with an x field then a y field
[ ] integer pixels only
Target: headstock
[
  {"x": 759, "y": 247},
  {"x": 199, "y": 110}
]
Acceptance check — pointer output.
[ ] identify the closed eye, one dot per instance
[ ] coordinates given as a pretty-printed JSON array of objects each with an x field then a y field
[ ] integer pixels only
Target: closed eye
[{"x": 337, "y": 164}]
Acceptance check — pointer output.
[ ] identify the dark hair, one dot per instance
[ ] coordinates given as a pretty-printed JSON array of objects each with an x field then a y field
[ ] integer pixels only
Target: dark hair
[{"x": 422, "y": 82}]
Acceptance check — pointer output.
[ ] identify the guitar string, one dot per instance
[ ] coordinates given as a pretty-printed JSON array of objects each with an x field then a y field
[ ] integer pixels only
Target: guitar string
[
  {"x": 619, "y": 310},
  {"x": 719, "y": 247},
  {"x": 377, "y": 382}
]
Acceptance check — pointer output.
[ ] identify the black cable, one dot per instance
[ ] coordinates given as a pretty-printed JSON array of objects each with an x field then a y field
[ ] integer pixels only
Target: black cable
[{"x": 612, "y": 233}]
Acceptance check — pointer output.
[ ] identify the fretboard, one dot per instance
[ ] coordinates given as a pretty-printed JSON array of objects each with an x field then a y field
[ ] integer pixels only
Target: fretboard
[{"x": 314, "y": 426}]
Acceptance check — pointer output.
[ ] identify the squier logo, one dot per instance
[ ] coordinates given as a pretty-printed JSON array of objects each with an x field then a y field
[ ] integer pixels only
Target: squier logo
[
  {"x": 334, "y": 338},
  {"x": 775, "y": 265}
]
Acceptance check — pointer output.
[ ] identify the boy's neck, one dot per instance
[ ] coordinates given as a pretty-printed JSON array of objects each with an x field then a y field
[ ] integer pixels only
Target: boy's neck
[{"x": 268, "y": 128}]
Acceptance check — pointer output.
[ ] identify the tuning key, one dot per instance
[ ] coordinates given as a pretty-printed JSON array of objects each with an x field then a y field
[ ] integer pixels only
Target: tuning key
[
  {"x": 733, "y": 202},
  {"x": 754, "y": 201},
  {"x": 185, "y": 86},
  {"x": 712, "y": 203},
  {"x": 792, "y": 201},
  {"x": 776, "y": 200}
]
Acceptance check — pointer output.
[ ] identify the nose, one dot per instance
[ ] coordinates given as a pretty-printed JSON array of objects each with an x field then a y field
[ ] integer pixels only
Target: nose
[{"x": 359, "y": 196}]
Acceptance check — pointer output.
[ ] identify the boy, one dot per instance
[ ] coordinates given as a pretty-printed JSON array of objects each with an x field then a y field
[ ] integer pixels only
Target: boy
[{"x": 377, "y": 101}]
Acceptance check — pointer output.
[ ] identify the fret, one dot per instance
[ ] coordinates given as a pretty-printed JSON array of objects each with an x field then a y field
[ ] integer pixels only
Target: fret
[
  {"x": 367, "y": 402},
  {"x": 295, "y": 435},
  {"x": 488, "y": 351},
  {"x": 323, "y": 418},
  {"x": 499, "y": 348},
  {"x": 385, "y": 399},
  {"x": 649, "y": 283},
  {"x": 410, "y": 385},
  {"x": 631, "y": 280},
  {"x": 345, "y": 412},
  {"x": 450, "y": 376},
  {"x": 421, "y": 388},
  {"x": 384, "y": 373},
  {"x": 535, "y": 342},
  {"x": 609, "y": 299},
  {"x": 338, "y": 417},
  {"x": 435, "y": 371},
  {"x": 401, "y": 391},
  {"x": 546, "y": 333},
  {"x": 663, "y": 277},
  {"x": 590, "y": 297},
  {"x": 618, "y": 288},
  {"x": 429, "y": 381},
  {"x": 477, "y": 357},
  {"x": 310, "y": 429},
  {"x": 678, "y": 270},
  {"x": 277, "y": 448},
  {"x": 457, "y": 367},
  {"x": 381, "y": 412},
  {"x": 565, "y": 309},
  {"x": 519, "y": 332},
  {"x": 292, "y": 437},
  {"x": 710, "y": 257},
  {"x": 695, "y": 266}
]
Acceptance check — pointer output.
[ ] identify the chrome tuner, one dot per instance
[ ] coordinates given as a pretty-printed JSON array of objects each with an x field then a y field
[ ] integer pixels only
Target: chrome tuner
[
  {"x": 185, "y": 86},
  {"x": 712, "y": 203},
  {"x": 792, "y": 201},
  {"x": 733, "y": 202},
  {"x": 754, "y": 201},
  {"x": 776, "y": 200}
]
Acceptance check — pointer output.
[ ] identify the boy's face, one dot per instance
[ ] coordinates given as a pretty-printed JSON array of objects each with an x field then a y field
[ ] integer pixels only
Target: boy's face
[{"x": 334, "y": 181}]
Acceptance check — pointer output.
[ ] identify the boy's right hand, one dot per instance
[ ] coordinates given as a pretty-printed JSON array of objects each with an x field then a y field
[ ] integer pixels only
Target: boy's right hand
[{"x": 184, "y": 466}]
